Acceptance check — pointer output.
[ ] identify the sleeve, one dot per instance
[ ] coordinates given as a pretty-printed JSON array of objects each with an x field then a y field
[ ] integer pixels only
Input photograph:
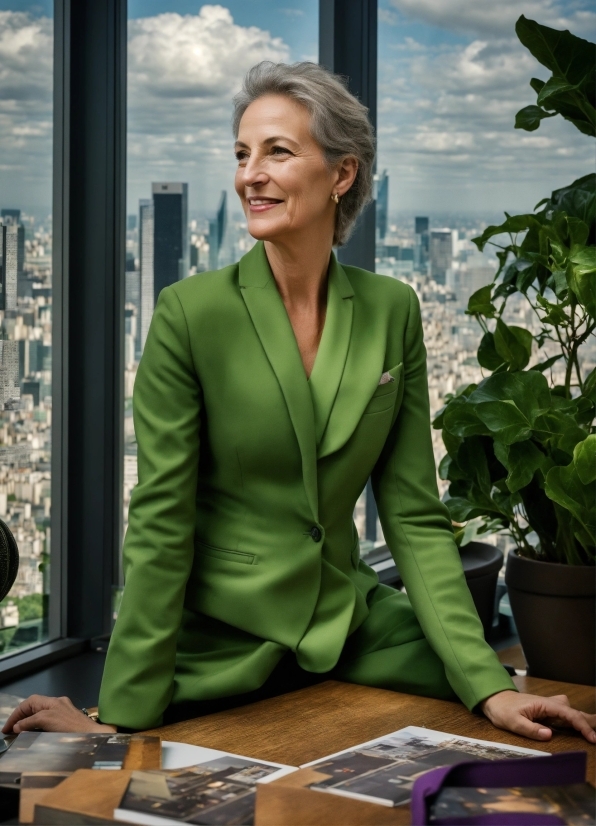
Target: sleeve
[
  {"x": 138, "y": 678},
  {"x": 418, "y": 531}
]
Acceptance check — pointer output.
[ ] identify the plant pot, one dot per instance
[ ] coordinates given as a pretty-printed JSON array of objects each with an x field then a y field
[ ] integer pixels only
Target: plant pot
[
  {"x": 554, "y": 609},
  {"x": 482, "y": 563}
]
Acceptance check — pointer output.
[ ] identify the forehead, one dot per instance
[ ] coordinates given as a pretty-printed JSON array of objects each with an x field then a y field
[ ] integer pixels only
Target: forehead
[{"x": 275, "y": 115}]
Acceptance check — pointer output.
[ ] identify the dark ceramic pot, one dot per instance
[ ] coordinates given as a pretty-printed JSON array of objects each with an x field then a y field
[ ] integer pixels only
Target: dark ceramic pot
[
  {"x": 9, "y": 559},
  {"x": 554, "y": 608}
]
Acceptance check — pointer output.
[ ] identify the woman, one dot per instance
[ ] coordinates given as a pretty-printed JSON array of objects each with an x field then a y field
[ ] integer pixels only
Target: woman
[{"x": 268, "y": 393}]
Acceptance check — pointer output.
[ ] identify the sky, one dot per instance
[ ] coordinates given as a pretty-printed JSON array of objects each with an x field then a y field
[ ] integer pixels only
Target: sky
[{"x": 451, "y": 77}]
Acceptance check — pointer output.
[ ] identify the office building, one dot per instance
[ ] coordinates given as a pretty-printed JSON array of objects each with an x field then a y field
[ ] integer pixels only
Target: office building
[
  {"x": 13, "y": 240},
  {"x": 10, "y": 390},
  {"x": 382, "y": 204},
  {"x": 421, "y": 243},
  {"x": 170, "y": 235},
  {"x": 440, "y": 253},
  {"x": 146, "y": 287},
  {"x": 217, "y": 232}
]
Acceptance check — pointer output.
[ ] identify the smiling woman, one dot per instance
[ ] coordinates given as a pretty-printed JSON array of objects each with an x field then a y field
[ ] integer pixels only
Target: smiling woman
[{"x": 243, "y": 572}]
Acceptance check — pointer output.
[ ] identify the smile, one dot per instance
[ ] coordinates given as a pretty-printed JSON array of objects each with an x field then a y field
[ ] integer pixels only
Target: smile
[{"x": 262, "y": 204}]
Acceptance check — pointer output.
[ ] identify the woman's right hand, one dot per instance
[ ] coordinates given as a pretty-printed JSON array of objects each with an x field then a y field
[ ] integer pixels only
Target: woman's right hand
[{"x": 39, "y": 713}]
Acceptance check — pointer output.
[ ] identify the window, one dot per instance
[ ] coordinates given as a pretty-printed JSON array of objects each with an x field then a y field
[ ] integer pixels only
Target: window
[
  {"x": 451, "y": 78},
  {"x": 26, "y": 120},
  {"x": 184, "y": 66}
]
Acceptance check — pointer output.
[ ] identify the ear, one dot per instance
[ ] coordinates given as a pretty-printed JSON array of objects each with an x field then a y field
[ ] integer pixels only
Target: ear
[{"x": 346, "y": 172}]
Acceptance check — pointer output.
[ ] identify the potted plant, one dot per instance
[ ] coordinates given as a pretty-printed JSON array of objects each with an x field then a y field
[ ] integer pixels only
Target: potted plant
[{"x": 521, "y": 445}]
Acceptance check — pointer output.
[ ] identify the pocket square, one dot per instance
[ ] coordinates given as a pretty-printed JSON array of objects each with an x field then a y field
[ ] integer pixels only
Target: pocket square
[{"x": 386, "y": 378}]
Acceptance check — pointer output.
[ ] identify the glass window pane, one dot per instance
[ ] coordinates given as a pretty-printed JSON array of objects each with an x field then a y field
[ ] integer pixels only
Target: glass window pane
[
  {"x": 184, "y": 67},
  {"x": 26, "y": 74},
  {"x": 450, "y": 162}
]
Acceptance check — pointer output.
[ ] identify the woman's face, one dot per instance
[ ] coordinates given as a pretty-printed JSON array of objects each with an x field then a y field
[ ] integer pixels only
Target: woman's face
[{"x": 282, "y": 179}]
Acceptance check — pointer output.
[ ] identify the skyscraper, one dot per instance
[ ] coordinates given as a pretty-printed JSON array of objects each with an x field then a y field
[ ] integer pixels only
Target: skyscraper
[
  {"x": 382, "y": 204},
  {"x": 441, "y": 254},
  {"x": 421, "y": 244},
  {"x": 217, "y": 231},
  {"x": 146, "y": 288},
  {"x": 170, "y": 235},
  {"x": 12, "y": 263}
]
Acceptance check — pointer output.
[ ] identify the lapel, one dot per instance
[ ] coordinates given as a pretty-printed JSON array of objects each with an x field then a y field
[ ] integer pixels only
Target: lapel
[
  {"x": 274, "y": 329},
  {"x": 331, "y": 357},
  {"x": 364, "y": 364}
]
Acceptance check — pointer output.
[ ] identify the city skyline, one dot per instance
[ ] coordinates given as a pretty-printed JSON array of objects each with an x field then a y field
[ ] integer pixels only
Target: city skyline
[{"x": 449, "y": 87}]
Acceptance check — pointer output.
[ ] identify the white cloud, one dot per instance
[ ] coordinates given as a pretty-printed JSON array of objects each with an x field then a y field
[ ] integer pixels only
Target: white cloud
[
  {"x": 446, "y": 126},
  {"x": 25, "y": 109},
  {"x": 183, "y": 71},
  {"x": 484, "y": 17}
]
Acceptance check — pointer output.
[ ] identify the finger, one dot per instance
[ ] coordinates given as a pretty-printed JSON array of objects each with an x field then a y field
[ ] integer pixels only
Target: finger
[
  {"x": 561, "y": 698},
  {"x": 28, "y": 707},
  {"x": 569, "y": 717},
  {"x": 528, "y": 728},
  {"x": 41, "y": 721}
]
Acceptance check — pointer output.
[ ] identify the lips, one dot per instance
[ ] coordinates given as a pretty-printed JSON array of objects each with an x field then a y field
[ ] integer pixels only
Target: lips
[{"x": 262, "y": 204}]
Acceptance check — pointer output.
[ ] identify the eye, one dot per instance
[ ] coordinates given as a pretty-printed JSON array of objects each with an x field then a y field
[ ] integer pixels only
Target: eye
[
  {"x": 280, "y": 150},
  {"x": 241, "y": 155}
]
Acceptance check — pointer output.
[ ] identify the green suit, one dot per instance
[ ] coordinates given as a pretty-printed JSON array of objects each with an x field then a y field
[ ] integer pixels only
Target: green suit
[{"x": 241, "y": 544}]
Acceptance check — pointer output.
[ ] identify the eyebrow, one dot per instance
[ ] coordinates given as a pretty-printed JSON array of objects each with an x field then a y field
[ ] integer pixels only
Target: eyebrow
[{"x": 274, "y": 139}]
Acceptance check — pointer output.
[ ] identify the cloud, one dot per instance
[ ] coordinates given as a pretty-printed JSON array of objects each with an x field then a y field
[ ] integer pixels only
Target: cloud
[
  {"x": 187, "y": 68},
  {"x": 446, "y": 127},
  {"x": 482, "y": 18},
  {"x": 26, "y": 54}
]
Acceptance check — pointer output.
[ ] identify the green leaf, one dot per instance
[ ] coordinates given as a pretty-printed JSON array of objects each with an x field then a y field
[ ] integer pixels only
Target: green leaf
[
  {"x": 590, "y": 386},
  {"x": 505, "y": 420},
  {"x": 554, "y": 86},
  {"x": 581, "y": 276},
  {"x": 480, "y": 302},
  {"x": 529, "y": 117},
  {"x": 564, "y": 486},
  {"x": 572, "y": 91},
  {"x": 513, "y": 344},
  {"x": 460, "y": 419},
  {"x": 529, "y": 391},
  {"x": 577, "y": 200},
  {"x": 513, "y": 224},
  {"x": 584, "y": 456},
  {"x": 523, "y": 460},
  {"x": 578, "y": 231},
  {"x": 443, "y": 469},
  {"x": 544, "y": 365},
  {"x": 559, "y": 282},
  {"x": 487, "y": 353},
  {"x": 460, "y": 510}
]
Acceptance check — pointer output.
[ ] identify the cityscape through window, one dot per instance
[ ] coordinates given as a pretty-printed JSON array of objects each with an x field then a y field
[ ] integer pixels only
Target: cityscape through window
[
  {"x": 184, "y": 66},
  {"x": 451, "y": 78},
  {"x": 26, "y": 72}
]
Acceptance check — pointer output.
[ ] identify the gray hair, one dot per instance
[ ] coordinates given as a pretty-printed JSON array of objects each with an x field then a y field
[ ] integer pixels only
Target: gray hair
[{"x": 339, "y": 124}]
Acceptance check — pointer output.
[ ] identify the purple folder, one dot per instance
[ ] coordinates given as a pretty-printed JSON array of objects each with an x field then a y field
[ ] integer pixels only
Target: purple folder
[{"x": 558, "y": 769}]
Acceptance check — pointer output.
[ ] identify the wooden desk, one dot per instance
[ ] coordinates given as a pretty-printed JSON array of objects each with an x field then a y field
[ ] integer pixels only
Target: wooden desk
[{"x": 308, "y": 724}]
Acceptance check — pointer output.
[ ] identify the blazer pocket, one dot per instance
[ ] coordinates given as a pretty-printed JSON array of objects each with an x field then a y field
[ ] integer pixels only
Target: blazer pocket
[
  {"x": 222, "y": 553},
  {"x": 385, "y": 395}
]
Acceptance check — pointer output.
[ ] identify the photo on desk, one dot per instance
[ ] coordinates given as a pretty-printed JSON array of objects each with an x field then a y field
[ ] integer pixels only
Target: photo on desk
[
  {"x": 50, "y": 751},
  {"x": 384, "y": 770},
  {"x": 219, "y": 790},
  {"x": 575, "y": 803}
]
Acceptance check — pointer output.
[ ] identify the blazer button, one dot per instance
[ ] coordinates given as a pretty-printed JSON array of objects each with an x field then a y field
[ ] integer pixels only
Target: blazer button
[{"x": 316, "y": 534}]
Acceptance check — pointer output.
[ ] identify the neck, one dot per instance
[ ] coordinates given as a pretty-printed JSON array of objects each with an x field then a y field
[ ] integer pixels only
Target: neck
[{"x": 300, "y": 271}]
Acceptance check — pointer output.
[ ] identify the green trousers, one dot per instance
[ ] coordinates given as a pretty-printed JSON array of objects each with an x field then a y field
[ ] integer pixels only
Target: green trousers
[{"x": 387, "y": 651}]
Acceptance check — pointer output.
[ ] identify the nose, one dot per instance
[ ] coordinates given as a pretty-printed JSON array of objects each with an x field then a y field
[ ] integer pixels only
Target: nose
[{"x": 252, "y": 173}]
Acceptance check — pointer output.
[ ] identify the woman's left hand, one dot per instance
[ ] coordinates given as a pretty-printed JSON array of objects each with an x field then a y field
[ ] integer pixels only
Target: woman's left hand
[
  {"x": 39, "y": 713},
  {"x": 518, "y": 713}
]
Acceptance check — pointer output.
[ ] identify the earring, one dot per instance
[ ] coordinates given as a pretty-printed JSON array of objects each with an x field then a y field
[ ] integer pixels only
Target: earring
[{"x": 335, "y": 197}]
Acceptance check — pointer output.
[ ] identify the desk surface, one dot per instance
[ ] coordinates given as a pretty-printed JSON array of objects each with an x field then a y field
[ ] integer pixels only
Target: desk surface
[{"x": 308, "y": 724}]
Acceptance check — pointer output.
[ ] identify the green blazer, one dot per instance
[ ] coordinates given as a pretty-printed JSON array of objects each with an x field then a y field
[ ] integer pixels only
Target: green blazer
[{"x": 241, "y": 543}]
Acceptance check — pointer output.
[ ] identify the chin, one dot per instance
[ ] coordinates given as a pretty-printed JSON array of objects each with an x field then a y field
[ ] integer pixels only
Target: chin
[{"x": 265, "y": 230}]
